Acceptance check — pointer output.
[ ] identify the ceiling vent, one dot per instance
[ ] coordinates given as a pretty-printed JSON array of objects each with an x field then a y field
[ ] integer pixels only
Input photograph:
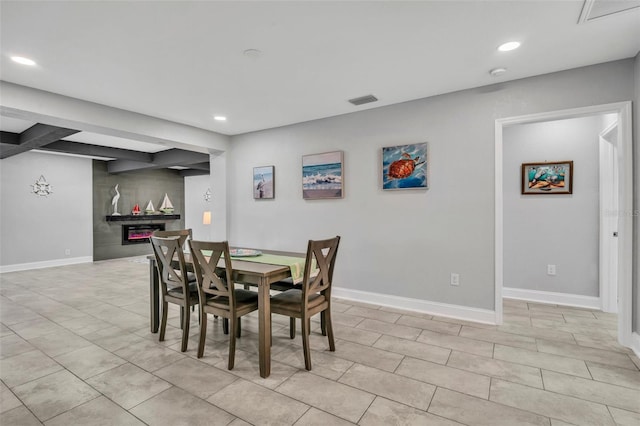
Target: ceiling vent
[
  {"x": 596, "y": 9},
  {"x": 363, "y": 100}
]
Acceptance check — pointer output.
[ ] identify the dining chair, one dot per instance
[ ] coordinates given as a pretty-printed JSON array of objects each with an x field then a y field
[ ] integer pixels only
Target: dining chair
[
  {"x": 217, "y": 292},
  {"x": 313, "y": 296},
  {"x": 175, "y": 282},
  {"x": 182, "y": 234}
]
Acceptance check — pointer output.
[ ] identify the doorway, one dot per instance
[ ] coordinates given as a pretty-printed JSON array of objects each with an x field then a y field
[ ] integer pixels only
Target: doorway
[
  {"x": 623, "y": 241},
  {"x": 608, "y": 147}
]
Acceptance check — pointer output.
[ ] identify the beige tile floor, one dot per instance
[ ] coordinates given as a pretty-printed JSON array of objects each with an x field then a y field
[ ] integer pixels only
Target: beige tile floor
[{"x": 75, "y": 349}]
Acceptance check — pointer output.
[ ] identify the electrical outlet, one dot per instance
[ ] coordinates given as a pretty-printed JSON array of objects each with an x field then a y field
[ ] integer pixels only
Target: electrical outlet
[
  {"x": 551, "y": 269},
  {"x": 67, "y": 252},
  {"x": 455, "y": 279}
]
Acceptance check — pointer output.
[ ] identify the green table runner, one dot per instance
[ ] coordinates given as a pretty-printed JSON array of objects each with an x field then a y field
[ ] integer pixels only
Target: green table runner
[{"x": 295, "y": 264}]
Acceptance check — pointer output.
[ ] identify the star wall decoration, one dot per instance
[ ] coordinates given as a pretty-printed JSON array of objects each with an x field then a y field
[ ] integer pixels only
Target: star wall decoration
[
  {"x": 207, "y": 195},
  {"x": 42, "y": 187}
]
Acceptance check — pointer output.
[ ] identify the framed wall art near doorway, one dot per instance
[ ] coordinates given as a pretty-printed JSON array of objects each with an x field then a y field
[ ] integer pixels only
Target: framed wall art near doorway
[{"x": 547, "y": 178}]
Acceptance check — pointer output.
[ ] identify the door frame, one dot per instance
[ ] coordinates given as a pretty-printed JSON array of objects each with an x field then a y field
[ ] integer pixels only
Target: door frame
[
  {"x": 608, "y": 205},
  {"x": 625, "y": 197}
]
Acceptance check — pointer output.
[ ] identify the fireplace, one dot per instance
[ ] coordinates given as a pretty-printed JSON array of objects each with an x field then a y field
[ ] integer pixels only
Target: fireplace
[{"x": 139, "y": 233}]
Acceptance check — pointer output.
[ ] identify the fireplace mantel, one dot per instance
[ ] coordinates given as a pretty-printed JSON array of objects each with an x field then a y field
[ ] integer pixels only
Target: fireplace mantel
[{"x": 141, "y": 217}]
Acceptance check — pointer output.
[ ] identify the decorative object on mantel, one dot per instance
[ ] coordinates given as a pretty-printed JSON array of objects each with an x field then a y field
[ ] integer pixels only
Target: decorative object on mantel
[
  {"x": 207, "y": 195},
  {"x": 136, "y": 210},
  {"x": 42, "y": 187},
  {"x": 114, "y": 202},
  {"x": 166, "y": 206},
  {"x": 149, "y": 209}
]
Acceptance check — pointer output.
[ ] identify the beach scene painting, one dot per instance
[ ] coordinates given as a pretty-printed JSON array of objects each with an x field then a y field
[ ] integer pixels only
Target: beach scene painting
[
  {"x": 322, "y": 175},
  {"x": 404, "y": 166},
  {"x": 547, "y": 178},
  {"x": 263, "y": 182}
]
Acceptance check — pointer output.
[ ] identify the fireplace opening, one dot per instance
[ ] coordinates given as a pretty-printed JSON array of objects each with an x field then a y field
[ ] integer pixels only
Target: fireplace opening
[{"x": 139, "y": 233}]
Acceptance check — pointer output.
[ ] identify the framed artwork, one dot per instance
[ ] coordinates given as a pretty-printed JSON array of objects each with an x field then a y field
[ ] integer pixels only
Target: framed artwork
[
  {"x": 404, "y": 166},
  {"x": 547, "y": 178},
  {"x": 264, "y": 182},
  {"x": 322, "y": 175}
]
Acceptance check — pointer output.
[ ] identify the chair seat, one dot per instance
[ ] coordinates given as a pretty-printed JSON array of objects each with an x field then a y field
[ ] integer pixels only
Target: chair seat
[
  {"x": 292, "y": 300},
  {"x": 243, "y": 298},
  {"x": 283, "y": 285},
  {"x": 177, "y": 291}
]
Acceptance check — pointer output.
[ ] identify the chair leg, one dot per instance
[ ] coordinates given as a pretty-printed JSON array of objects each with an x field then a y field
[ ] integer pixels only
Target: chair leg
[
  {"x": 323, "y": 323},
  {"x": 292, "y": 327},
  {"x": 332, "y": 343},
  {"x": 181, "y": 317},
  {"x": 305, "y": 343},
  {"x": 232, "y": 342},
  {"x": 186, "y": 319},
  {"x": 203, "y": 334},
  {"x": 225, "y": 325},
  {"x": 163, "y": 321},
  {"x": 238, "y": 327}
]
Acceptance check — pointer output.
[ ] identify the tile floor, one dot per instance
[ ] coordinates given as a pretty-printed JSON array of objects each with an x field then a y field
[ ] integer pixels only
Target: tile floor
[{"x": 75, "y": 349}]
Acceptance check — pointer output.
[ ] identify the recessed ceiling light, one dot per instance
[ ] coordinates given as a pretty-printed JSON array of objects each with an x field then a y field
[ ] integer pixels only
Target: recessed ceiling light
[
  {"x": 220, "y": 118},
  {"x": 511, "y": 45},
  {"x": 497, "y": 71},
  {"x": 23, "y": 61}
]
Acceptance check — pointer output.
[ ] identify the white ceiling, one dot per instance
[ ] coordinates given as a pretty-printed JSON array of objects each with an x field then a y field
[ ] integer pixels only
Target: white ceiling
[{"x": 183, "y": 61}]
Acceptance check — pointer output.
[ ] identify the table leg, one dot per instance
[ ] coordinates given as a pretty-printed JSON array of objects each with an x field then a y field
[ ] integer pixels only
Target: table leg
[
  {"x": 264, "y": 320},
  {"x": 154, "y": 295}
]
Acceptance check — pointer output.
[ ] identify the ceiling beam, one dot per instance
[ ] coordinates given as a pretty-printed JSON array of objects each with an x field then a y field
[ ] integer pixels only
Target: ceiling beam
[
  {"x": 200, "y": 166},
  {"x": 34, "y": 137},
  {"x": 162, "y": 159},
  {"x": 8, "y": 138},
  {"x": 193, "y": 172},
  {"x": 98, "y": 151}
]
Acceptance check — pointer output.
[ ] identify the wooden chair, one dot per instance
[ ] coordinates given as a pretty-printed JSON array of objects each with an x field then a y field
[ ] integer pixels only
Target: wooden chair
[
  {"x": 174, "y": 282},
  {"x": 217, "y": 292},
  {"x": 313, "y": 297},
  {"x": 182, "y": 234}
]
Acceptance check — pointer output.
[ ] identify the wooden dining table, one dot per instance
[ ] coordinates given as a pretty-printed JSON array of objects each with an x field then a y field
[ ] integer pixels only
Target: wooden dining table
[{"x": 261, "y": 275}]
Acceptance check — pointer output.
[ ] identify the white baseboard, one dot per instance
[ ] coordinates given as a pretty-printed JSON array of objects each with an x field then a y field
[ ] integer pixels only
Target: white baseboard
[
  {"x": 635, "y": 343},
  {"x": 45, "y": 264},
  {"x": 434, "y": 308},
  {"x": 553, "y": 298}
]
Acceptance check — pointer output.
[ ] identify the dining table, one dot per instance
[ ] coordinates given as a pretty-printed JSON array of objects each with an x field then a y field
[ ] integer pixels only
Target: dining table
[{"x": 245, "y": 271}]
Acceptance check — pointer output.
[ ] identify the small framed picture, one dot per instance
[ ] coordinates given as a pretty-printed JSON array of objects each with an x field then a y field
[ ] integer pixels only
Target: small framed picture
[
  {"x": 322, "y": 175},
  {"x": 264, "y": 182},
  {"x": 547, "y": 178},
  {"x": 404, "y": 166}
]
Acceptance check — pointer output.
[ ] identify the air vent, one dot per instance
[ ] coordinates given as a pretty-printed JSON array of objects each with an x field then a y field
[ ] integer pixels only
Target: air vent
[{"x": 363, "y": 100}]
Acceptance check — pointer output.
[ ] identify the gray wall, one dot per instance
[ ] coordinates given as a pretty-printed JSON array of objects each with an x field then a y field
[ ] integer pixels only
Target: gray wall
[
  {"x": 194, "y": 190},
  {"x": 134, "y": 187},
  {"x": 406, "y": 243},
  {"x": 636, "y": 200},
  {"x": 37, "y": 229},
  {"x": 553, "y": 229}
]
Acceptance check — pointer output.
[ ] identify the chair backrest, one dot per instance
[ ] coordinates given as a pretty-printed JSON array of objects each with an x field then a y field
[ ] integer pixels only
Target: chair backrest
[
  {"x": 182, "y": 234},
  {"x": 206, "y": 255},
  {"x": 324, "y": 253},
  {"x": 167, "y": 251}
]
